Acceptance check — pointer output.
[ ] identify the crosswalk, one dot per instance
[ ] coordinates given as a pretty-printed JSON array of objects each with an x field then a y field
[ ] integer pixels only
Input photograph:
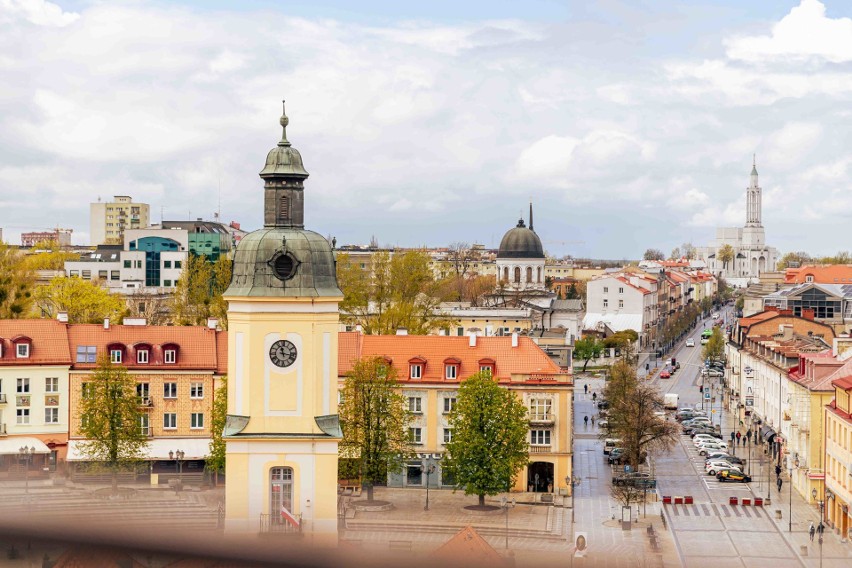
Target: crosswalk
[{"x": 715, "y": 510}]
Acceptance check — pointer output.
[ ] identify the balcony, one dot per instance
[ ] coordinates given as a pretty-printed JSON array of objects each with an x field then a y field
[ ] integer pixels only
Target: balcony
[
  {"x": 279, "y": 524},
  {"x": 2, "y": 398},
  {"x": 145, "y": 402},
  {"x": 541, "y": 418},
  {"x": 540, "y": 449},
  {"x": 147, "y": 431}
]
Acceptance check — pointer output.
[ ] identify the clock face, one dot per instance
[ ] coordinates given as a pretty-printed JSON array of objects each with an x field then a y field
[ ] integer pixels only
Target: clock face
[{"x": 282, "y": 353}]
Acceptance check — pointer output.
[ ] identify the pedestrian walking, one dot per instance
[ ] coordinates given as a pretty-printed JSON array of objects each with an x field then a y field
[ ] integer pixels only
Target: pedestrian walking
[
  {"x": 739, "y": 437},
  {"x": 820, "y": 529},
  {"x": 594, "y": 396},
  {"x": 586, "y": 420},
  {"x": 748, "y": 436},
  {"x": 593, "y": 419},
  {"x": 779, "y": 482},
  {"x": 811, "y": 531},
  {"x": 586, "y": 388},
  {"x": 778, "y": 469},
  {"x": 732, "y": 437}
]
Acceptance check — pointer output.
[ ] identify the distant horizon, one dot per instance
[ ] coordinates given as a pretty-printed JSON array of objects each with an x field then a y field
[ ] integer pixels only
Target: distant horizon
[{"x": 630, "y": 126}]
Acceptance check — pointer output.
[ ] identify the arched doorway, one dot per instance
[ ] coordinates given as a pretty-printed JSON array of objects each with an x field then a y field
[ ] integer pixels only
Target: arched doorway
[{"x": 539, "y": 477}]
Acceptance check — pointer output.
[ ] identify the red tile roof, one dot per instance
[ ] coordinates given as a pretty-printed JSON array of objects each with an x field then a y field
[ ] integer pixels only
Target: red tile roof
[
  {"x": 527, "y": 358},
  {"x": 830, "y": 274},
  {"x": 845, "y": 383},
  {"x": 49, "y": 342},
  {"x": 197, "y": 346}
]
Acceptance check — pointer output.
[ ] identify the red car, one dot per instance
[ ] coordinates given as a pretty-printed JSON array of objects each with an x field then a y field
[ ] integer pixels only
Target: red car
[{"x": 665, "y": 374}]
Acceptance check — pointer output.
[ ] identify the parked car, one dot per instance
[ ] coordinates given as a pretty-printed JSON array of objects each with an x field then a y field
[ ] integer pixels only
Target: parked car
[
  {"x": 603, "y": 424},
  {"x": 711, "y": 437},
  {"x": 690, "y": 342},
  {"x": 719, "y": 468},
  {"x": 708, "y": 430},
  {"x": 616, "y": 455},
  {"x": 707, "y": 447},
  {"x": 725, "y": 457},
  {"x": 714, "y": 373},
  {"x": 610, "y": 444},
  {"x": 733, "y": 475},
  {"x": 603, "y": 404},
  {"x": 636, "y": 479}
]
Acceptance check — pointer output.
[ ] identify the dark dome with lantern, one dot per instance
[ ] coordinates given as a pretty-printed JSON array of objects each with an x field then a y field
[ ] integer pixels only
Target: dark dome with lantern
[
  {"x": 283, "y": 258},
  {"x": 520, "y": 242}
]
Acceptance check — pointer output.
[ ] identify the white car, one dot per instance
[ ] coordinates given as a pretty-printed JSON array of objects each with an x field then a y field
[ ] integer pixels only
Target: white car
[
  {"x": 713, "y": 470},
  {"x": 702, "y": 450},
  {"x": 708, "y": 442},
  {"x": 715, "y": 316},
  {"x": 707, "y": 437},
  {"x": 690, "y": 342}
]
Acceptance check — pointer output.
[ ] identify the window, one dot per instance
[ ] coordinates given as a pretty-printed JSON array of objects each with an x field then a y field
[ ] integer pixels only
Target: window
[
  {"x": 23, "y": 350},
  {"x": 137, "y": 263},
  {"x": 51, "y": 416},
  {"x": 449, "y": 404},
  {"x": 486, "y": 369},
  {"x": 126, "y": 264},
  {"x": 809, "y": 278},
  {"x": 416, "y": 371},
  {"x": 167, "y": 283},
  {"x": 539, "y": 437},
  {"x": 621, "y": 303},
  {"x": 169, "y": 390},
  {"x": 452, "y": 371},
  {"x": 167, "y": 264},
  {"x": 115, "y": 275},
  {"x": 87, "y": 354},
  {"x": 87, "y": 275},
  {"x": 170, "y": 356},
  {"x": 415, "y": 435},
  {"x": 621, "y": 290},
  {"x": 51, "y": 384},
  {"x": 23, "y": 416},
  {"x": 144, "y": 425},
  {"x": 448, "y": 435},
  {"x": 540, "y": 409},
  {"x": 87, "y": 390},
  {"x": 23, "y": 386},
  {"x": 142, "y": 356},
  {"x": 73, "y": 273},
  {"x": 606, "y": 290},
  {"x": 606, "y": 303},
  {"x": 280, "y": 491},
  {"x": 170, "y": 421},
  {"x": 415, "y": 404},
  {"x": 115, "y": 355},
  {"x": 102, "y": 274},
  {"x": 284, "y": 208},
  {"x": 196, "y": 420},
  {"x": 143, "y": 391},
  {"x": 196, "y": 390},
  {"x": 460, "y": 331}
]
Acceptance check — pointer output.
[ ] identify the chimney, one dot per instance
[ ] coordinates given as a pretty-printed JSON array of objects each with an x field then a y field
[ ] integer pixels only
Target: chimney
[
  {"x": 442, "y": 332},
  {"x": 62, "y": 316},
  {"x": 808, "y": 313},
  {"x": 402, "y": 331},
  {"x": 472, "y": 340},
  {"x": 213, "y": 323},
  {"x": 106, "y": 323},
  {"x": 135, "y": 321},
  {"x": 359, "y": 328},
  {"x": 786, "y": 332},
  {"x": 514, "y": 340}
]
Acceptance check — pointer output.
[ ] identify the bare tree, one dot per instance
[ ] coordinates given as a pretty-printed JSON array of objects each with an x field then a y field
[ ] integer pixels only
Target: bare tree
[
  {"x": 626, "y": 493},
  {"x": 153, "y": 307}
]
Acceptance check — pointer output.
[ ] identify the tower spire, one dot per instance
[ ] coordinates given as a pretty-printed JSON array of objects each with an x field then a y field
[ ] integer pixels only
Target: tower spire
[
  {"x": 531, "y": 216},
  {"x": 283, "y": 121},
  {"x": 754, "y": 164}
]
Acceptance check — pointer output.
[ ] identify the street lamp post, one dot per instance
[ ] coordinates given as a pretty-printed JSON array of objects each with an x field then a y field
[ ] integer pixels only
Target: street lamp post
[
  {"x": 25, "y": 453},
  {"x": 177, "y": 455},
  {"x": 428, "y": 470},
  {"x": 507, "y": 504},
  {"x": 790, "y": 520}
]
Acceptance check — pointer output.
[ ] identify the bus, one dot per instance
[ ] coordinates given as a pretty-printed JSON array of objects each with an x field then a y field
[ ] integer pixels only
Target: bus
[{"x": 705, "y": 336}]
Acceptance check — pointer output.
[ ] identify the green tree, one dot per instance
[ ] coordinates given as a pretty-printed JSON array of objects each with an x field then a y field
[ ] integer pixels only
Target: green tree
[
  {"x": 50, "y": 257},
  {"x": 653, "y": 254},
  {"x": 572, "y": 293},
  {"x": 794, "y": 260},
  {"x": 215, "y": 462},
  {"x": 725, "y": 255},
  {"x": 632, "y": 418},
  {"x": 83, "y": 300},
  {"x": 398, "y": 291},
  {"x": 842, "y": 257},
  {"x": 624, "y": 341},
  {"x": 715, "y": 347},
  {"x": 586, "y": 349},
  {"x": 198, "y": 294},
  {"x": 16, "y": 284},
  {"x": 374, "y": 419},
  {"x": 740, "y": 303},
  {"x": 111, "y": 419},
  {"x": 489, "y": 444}
]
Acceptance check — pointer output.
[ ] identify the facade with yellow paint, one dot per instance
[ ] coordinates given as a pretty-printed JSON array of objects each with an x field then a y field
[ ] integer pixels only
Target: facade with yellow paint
[
  {"x": 281, "y": 435},
  {"x": 838, "y": 457},
  {"x": 430, "y": 369}
]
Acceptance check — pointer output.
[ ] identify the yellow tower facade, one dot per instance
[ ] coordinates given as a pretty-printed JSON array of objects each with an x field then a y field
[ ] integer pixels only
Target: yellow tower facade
[{"x": 282, "y": 432}]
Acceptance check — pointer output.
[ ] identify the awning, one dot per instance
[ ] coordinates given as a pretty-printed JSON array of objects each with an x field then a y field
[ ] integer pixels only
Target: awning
[
  {"x": 11, "y": 446},
  {"x": 158, "y": 449},
  {"x": 767, "y": 433}
]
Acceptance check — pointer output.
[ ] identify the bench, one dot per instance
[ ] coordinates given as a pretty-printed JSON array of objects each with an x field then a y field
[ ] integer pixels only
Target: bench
[{"x": 399, "y": 545}]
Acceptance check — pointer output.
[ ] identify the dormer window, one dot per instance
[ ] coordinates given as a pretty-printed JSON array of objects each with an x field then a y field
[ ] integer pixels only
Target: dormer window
[
  {"x": 451, "y": 369},
  {"x": 809, "y": 278},
  {"x": 486, "y": 366},
  {"x": 22, "y": 350},
  {"x": 115, "y": 356},
  {"x": 170, "y": 354},
  {"x": 415, "y": 368},
  {"x": 142, "y": 356}
]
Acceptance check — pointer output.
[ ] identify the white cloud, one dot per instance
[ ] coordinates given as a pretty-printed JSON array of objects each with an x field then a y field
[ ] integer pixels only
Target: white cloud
[
  {"x": 38, "y": 12},
  {"x": 802, "y": 34}
]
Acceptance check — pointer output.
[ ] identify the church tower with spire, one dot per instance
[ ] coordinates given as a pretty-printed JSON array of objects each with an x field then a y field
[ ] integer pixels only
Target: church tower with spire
[
  {"x": 520, "y": 259},
  {"x": 753, "y": 234},
  {"x": 282, "y": 431}
]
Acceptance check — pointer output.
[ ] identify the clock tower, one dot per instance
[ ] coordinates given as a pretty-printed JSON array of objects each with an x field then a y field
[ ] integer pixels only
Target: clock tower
[{"x": 282, "y": 431}]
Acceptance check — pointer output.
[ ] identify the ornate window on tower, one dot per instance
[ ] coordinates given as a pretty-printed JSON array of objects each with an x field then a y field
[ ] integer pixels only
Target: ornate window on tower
[
  {"x": 280, "y": 491},
  {"x": 517, "y": 274},
  {"x": 284, "y": 207},
  {"x": 529, "y": 273}
]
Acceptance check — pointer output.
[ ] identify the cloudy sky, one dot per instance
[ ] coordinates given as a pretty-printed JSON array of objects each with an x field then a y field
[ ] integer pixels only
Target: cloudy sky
[{"x": 631, "y": 124}]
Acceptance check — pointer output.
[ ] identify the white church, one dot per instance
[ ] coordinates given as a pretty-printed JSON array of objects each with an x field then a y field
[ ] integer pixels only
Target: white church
[{"x": 751, "y": 255}]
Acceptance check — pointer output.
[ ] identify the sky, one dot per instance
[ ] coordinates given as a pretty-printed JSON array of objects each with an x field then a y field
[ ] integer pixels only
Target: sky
[{"x": 630, "y": 124}]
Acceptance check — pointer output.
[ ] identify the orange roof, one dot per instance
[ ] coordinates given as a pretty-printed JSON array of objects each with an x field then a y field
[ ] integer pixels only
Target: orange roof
[
  {"x": 829, "y": 274},
  {"x": 526, "y": 358},
  {"x": 845, "y": 383},
  {"x": 48, "y": 342},
  {"x": 626, "y": 281},
  {"x": 197, "y": 346},
  {"x": 756, "y": 318}
]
